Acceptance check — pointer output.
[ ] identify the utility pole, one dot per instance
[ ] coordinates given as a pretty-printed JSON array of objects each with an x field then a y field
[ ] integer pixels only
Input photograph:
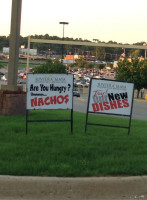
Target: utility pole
[{"x": 14, "y": 46}]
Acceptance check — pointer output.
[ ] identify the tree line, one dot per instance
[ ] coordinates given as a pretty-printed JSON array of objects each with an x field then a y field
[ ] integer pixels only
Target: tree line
[{"x": 101, "y": 53}]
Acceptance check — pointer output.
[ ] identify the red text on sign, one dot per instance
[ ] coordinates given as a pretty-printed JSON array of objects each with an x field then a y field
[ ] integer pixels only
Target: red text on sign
[{"x": 39, "y": 101}]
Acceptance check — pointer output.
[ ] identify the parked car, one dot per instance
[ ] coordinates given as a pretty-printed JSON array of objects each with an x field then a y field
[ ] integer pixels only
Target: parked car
[
  {"x": 84, "y": 84},
  {"x": 87, "y": 78},
  {"x": 1, "y": 74},
  {"x": 76, "y": 92},
  {"x": 4, "y": 77},
  {"x": 77, "y": 83}
]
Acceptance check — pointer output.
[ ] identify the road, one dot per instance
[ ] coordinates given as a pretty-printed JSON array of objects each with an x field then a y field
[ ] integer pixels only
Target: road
[{"x": 139, "y": 106}]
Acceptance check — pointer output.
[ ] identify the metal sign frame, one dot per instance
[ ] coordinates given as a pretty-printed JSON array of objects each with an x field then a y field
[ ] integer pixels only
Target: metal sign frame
[
  {"x": 66, "y": 120},
  {"x": 96, "y": 124}
]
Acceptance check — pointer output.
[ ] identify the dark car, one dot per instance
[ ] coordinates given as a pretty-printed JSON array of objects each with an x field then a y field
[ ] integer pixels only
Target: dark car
[
  {"x": 2, "y": 74},
  {"x": 76, "y": 92}
]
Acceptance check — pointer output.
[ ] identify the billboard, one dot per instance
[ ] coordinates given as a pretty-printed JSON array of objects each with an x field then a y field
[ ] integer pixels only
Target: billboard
[
  {"x": 49, "y": 91},
  {"x": 110, "y": 97}
]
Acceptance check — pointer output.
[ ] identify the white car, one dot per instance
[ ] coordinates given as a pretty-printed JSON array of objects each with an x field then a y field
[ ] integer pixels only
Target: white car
[
  {"x": 87, "y": 78},
  {"x": 3, "y": 78}
]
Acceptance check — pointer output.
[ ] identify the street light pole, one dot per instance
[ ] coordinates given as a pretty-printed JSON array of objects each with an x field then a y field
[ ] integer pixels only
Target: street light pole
[
  {"x": 64, "y": 23},
  {"x": 96, "y": 40}
]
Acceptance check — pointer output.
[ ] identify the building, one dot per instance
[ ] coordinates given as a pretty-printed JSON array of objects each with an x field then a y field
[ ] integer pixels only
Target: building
[{"x": 33, "y": 52}]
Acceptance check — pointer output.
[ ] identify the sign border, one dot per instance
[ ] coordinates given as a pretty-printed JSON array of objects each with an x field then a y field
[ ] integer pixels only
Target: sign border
[
  {"x": 130, "y": 116},
  {"x": 68, "y": 120}
]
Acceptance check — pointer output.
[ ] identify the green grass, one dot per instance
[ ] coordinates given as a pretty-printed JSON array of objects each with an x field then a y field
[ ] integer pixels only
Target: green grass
[
  {"x": 3, "y": 65},
  {"x": 50, "y": 149},
  {"x": 21, "y": 64}
]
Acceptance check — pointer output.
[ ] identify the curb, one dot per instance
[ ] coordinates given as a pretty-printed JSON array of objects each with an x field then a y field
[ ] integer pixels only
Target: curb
[
  {"x": 141, "y": 100},
  {"x": 89, "y": 188}
]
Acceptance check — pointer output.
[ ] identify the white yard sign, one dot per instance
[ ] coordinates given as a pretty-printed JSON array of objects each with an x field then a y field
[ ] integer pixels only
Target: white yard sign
[
  {"x": 110, "y": 97},
  {"x": 49, "y": 91}
]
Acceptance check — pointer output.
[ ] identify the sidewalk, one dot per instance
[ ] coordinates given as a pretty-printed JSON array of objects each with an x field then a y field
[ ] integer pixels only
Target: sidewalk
[
  {"x": 53, "y": 188},
  {"x": 140, "y": 100}
]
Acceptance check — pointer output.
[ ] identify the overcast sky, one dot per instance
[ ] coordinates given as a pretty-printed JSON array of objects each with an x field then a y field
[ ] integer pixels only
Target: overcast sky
[{"x": 117, "y": 20}]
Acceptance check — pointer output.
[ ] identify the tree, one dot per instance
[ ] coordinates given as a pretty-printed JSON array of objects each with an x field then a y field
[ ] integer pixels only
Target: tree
[
  {"x": 135, "y": 53},
  {"x": 4, "y": 42},
  {"x": 101, "y": 66},
  {"x": 51, "y": 67},
  {"x": 144, "y": 73},
  {"x": 135, "y": 71},
  {"x": 90, "y": 65},
  {"x": 100, "y": 53},
  {"x": 81, "y": 63}
]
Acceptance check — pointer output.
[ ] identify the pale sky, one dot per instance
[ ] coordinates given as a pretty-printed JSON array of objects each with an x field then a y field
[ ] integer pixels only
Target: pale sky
[{"x": 121, "y": 21}]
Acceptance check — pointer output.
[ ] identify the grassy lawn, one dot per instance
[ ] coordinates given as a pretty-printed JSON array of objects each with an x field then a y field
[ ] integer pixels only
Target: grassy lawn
[
  {"x": 50, "y": 149},
  {"x": 3, "y": 65},
  {"x": 21, "y": 64}
]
